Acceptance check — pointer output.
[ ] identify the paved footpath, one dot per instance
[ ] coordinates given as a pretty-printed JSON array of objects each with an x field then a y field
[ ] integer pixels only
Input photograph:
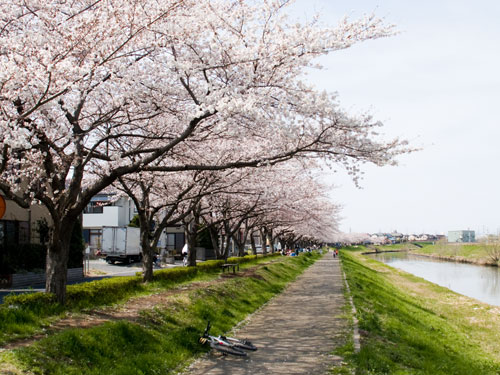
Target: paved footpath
[{"x": 295, "y": 332}]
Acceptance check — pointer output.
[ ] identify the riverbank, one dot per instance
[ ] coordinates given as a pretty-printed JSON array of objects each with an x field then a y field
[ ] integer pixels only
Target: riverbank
[
  {"x": 411, "y": 326},
  {"x": 480, "y": 254}
]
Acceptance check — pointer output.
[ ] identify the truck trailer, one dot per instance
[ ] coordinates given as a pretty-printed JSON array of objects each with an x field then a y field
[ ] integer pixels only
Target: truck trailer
[{"x": 121, "y": 244}]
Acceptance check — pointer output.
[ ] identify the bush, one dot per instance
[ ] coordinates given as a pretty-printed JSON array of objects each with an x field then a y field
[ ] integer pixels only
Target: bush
[
  {"x": 210, "y": 265},
  {"x": 36, "y": 302},
  {"x": 107, "y": 291},
  {"x": 175, "y": 274},
  {"x": 82, "y": 295},
  {"x": 102, "y": 292}
]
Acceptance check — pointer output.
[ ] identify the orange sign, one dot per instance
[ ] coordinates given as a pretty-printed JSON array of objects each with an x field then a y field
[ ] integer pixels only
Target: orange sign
[{"x": 2, "y": 207}]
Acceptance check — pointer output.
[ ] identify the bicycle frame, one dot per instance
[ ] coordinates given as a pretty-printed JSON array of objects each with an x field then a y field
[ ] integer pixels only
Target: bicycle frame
[{"x": 226, "y": 345}]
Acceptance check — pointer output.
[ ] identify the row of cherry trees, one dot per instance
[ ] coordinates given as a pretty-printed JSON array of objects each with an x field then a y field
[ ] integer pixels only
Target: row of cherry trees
[
  {"x": 102, "y": 92},
  {"x": 283, "y": 203}
]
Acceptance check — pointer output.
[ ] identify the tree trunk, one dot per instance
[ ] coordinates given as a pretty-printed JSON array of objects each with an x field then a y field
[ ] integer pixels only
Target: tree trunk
[
  {"x": 269, "y": 237},
  {"x": 239, "y": 239},
  {"x": 226, "y": 247},
  {"x": 241, "y": 249},
  {"x": 252, "y": 243},
  {"x": 191, "y": 241},
  {"x": 57, "y": 259},
  {"x": 283, "y": 244},
  {"x": 215, "y": 243},
  {"x": 191, "y": 233},
  {"x": 147, "y": 252},
  {"x": 263, "y": 238}
]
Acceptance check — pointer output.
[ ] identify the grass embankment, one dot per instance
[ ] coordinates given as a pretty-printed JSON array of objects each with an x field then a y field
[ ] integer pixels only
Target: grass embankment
[
  {"x": 476, "y": 253},
  {"x": 406, "y": 246},
  {"x": 27, "y": 314},
  {"x": 162, "y": 338},
  {"x": 479, "y": 253},
  {"x": 411, "y": 326}
]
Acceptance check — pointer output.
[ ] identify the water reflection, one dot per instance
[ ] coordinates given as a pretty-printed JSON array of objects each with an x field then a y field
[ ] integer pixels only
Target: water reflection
[{"x": 480, "y": 282}]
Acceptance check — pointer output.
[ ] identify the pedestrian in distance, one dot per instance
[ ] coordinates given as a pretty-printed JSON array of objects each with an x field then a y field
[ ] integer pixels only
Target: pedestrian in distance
[{"x": 185, "y": 251}]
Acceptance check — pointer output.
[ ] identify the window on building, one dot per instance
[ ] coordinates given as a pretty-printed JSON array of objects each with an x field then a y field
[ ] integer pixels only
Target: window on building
[
  {"x": 93, "y": 237},
  {"x": 14, "y": 232},
  {"x": 24, "y": 232},
  {"x": 96, "y": 239},
  {"x": 95, "y": 207},
  {"x": 170, "y": 241},
  {"x": 10, "y": 230}
]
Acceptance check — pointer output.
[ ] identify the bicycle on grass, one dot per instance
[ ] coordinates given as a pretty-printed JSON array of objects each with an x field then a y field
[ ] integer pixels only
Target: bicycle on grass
[{"x": 226, "y": 345}]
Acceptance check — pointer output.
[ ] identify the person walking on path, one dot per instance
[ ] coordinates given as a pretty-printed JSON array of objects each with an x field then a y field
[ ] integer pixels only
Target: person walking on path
[{"x": 295, "y": 332}]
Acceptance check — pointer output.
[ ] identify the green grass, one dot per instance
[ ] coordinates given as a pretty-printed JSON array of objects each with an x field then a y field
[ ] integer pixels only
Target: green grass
[
  {"x": 410, "y": 326},
  {"x": 397, "y": 246},
  {"x": 478, "y": 252},
  {"x": 345, "y": 344},
  {"x": 27, "y": 314},
  {"x": 164, "y": 339}
]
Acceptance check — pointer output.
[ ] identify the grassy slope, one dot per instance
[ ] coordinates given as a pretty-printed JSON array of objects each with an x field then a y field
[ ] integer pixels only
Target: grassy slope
[
  {"x": 480, "y": 253},
  {"x": 164, "y": 338},
  {"x": 474, "y": 252},
  {"x": 410, "y": 326},
  {"x": 37, "y": 311}
]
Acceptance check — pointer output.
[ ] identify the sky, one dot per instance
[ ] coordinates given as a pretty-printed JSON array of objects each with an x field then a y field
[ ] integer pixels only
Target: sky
[{"x": 437, "y": 84}]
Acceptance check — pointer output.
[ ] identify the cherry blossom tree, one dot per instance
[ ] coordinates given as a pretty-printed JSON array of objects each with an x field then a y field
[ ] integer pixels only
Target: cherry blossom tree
[
  {"x": 292, "y": 203},
  {"x": 167, "y": 199},
  {"x": 303, "y": 212},
  {"x": 160, "y": 201},
  {"x": 66, "y": 91},
  {"x": 114, "y": 85}
]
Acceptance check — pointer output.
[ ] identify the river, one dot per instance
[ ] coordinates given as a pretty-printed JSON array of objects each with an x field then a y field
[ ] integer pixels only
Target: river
[{"x": 479, "y": 282}]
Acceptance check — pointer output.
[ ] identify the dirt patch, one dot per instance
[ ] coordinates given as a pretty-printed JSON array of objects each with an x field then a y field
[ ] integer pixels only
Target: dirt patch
[
  {"x": 249, "y": 272},
  {"x": 130, "y": 311}
]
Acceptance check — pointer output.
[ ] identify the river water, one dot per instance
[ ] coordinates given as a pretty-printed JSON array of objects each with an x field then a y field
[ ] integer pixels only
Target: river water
[{"x": 479, "y": 282}]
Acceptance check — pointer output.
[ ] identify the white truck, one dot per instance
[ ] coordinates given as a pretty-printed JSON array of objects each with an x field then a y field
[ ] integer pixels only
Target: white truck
[{"x": 121, "y": 244}]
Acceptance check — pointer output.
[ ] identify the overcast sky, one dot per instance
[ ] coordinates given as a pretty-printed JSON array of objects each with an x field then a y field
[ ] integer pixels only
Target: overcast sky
[{"x": 436, "y": 84}]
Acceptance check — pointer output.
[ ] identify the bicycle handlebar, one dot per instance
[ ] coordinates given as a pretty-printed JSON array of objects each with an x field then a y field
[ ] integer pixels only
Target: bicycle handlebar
[{"x": 207, "y": 329}]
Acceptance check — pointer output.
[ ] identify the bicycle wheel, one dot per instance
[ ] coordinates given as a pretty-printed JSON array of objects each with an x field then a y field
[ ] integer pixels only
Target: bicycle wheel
[
  {"x": 245, "y": 345},
  {"x": 228, "y": 349},
  {"x": 240, "y": 344}
]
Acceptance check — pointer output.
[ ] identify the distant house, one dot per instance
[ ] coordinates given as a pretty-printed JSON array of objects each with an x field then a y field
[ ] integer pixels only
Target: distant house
[
  {"x": 108, "y": 210},
  {"x": 462, "y": 236},
  {"x": 396, "y": 237},
  {"x": 105, "y": 210}
]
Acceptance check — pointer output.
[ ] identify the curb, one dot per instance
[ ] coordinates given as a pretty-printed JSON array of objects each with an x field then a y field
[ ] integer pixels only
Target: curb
[{"x": 356, "y": 337}]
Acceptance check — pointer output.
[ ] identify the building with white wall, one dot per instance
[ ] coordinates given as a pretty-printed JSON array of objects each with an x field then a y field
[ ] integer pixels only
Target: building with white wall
[
  {"x": 462, "y": 236},
  {"x": 106, "y": 210}
]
